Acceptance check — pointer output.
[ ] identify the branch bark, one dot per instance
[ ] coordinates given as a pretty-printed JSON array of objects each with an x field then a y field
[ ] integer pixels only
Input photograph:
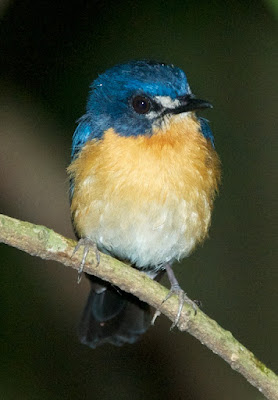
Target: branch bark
[{"x": 44, "y": 243}]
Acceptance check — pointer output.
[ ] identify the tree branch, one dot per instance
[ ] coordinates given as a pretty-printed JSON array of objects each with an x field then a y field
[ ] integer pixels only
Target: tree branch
[{"x": 44, "y": 243}]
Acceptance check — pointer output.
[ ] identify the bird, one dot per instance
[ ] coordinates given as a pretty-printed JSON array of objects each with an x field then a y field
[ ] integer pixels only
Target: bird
[{"x": 143, "y": 175}]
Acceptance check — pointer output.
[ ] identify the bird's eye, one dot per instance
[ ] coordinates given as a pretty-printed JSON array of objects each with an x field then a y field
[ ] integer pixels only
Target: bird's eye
[{"x": 141, "y": 104}]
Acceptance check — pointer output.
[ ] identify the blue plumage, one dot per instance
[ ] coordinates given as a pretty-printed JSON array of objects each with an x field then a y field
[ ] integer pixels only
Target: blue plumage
[
  {"x": 205, "y": 129},
  {"x": 152, "y": 78},
  {"x": 109, "y": 106}
]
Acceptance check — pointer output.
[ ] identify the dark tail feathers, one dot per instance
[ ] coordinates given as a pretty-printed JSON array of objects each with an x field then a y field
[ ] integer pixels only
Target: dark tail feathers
[{"x": 112, "y": 316}]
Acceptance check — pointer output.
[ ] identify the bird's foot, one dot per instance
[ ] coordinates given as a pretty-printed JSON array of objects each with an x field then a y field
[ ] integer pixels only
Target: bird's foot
[
  {"x": 176, "y": 289},
  {"x": 88, "y": 244},
  {"x": 183, "y": 298}
]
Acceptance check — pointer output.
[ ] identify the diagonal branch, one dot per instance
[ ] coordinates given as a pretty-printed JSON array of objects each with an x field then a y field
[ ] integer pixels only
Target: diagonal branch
[{"x": 43, "y": 242}]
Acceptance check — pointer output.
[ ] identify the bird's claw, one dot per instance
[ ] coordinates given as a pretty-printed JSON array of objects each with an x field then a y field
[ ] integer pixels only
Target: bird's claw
[
  {"x": 156, "y": 314},
  {"x": 183, "y": 298},
  {"x": 88, "y": 244}
]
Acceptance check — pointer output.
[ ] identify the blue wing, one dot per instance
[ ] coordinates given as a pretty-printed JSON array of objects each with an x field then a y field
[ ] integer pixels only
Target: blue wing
[
  {"x": 87, "y": 129},
  {"x": 206, "y": 131},
  {"x": 81, "y": 135}
]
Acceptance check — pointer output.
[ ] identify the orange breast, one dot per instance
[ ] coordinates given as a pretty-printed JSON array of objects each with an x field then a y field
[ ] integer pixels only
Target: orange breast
[{"x": 146, "y": 199}]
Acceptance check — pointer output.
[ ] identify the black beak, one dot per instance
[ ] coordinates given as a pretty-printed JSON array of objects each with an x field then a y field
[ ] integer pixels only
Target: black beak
[{"x": 188, "y": 103}]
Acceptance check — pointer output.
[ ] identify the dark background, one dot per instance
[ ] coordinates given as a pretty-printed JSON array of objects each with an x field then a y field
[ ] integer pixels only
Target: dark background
[{"x": 50, "y": 52}]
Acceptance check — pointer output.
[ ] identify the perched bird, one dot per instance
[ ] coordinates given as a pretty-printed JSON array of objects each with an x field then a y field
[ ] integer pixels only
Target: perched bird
[{"x": 144, "y": 174}]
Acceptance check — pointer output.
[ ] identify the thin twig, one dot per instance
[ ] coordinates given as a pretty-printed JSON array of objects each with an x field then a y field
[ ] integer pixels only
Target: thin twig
[{"x": 43, "y": 242}]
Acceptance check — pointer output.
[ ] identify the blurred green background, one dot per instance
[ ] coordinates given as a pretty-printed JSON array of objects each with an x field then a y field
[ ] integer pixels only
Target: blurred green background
[{"x": 50, "y": 52}]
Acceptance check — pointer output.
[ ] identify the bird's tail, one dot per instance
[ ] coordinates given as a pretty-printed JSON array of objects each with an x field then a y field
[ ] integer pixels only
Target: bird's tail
[{"x": 112, "y": 316}]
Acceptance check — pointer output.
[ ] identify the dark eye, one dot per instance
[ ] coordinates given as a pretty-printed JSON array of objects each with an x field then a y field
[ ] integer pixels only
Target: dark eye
[{"x": 141, "y": 104}]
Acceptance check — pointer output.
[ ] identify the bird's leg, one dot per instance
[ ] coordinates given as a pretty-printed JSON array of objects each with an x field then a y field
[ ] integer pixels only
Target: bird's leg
[
  {"x": 87, "y": 243},
  {"x": 176, "y": 289}
]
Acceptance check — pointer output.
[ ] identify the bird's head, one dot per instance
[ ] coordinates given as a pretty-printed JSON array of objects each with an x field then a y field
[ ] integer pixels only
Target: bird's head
[{"x": 134, "y": 99}]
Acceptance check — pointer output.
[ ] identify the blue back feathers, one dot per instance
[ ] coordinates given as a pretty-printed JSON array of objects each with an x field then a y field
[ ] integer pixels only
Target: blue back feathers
[{"x": 109, "y": 102}]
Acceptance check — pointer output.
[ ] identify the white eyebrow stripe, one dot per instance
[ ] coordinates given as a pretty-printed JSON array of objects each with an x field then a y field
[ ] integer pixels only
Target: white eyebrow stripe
[{"x": 167, "y": 102}]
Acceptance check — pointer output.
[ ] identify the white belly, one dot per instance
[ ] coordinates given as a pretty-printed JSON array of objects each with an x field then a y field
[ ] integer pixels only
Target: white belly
[{"x": 149, "y": 234}]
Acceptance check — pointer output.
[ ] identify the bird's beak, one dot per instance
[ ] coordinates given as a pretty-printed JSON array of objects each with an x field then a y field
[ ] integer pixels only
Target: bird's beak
[{"x": 188, "y": 103}]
